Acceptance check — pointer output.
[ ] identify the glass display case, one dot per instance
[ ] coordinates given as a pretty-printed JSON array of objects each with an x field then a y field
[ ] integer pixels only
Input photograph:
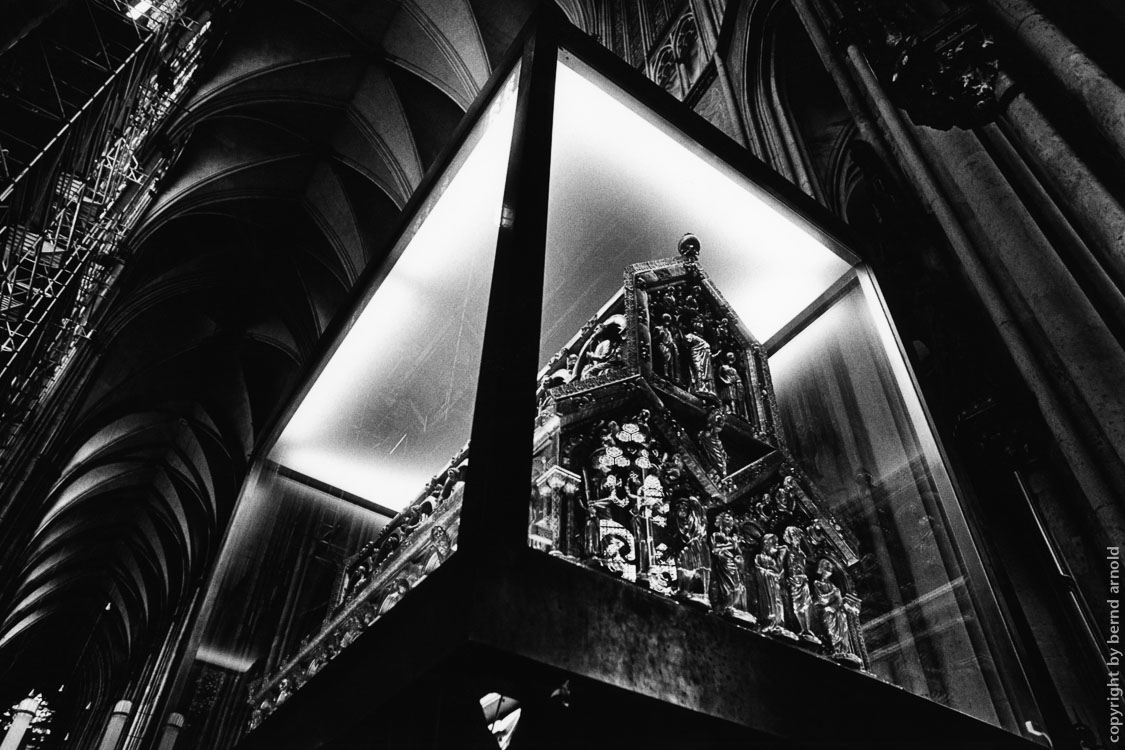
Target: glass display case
[
  {"x": 736, "y": 425},
  {"x": 724, "y": 436},
  {"x": 356, "y": 498}
]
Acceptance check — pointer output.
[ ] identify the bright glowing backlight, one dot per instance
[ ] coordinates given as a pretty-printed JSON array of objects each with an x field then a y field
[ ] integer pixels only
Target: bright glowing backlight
[
  {"x": 395, "y": 400},
  {"x": 626, "y": 186}
]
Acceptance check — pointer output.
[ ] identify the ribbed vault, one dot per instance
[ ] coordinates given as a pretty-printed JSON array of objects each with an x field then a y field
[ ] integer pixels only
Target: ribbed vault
[{"x": 301, "y": 146}]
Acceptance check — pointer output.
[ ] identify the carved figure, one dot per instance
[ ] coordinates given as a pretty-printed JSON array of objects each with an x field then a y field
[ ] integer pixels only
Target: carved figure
[
  {"x": 368, "y": 613},
  {"x": 400, "y": 587},
  {"x": 731, "y": 390},
  {"x": 797, "y": 581},
  {"x": 769, "y": 564},
  {"x": 690, "y": 307},
  {"x": 788, "y": 494},
  {"x": 699, "y": 361},
  {"x": 614, "y": 553},
  {"x": 597, "y": 510},
  {"x": 603, "y": 351},
  {"x": 352, "y": 629},
  {"x": 692, "y": 559},
  {"x": 357, "y": 579},
  {"x": 667, "y": 359},
  {"x": 412, "y": 517},
  {"x": 441, "y": 546},
  {"x": 724, "y": 342},
  {"x": 672, "y": 472},
  {"x": 833, "y": 615},
  {"x": 284, "y": 690},
  {"x": 452, "y": 477},
  {"x": 728, "y": 589},
  {"x": 711, "y": 443}
]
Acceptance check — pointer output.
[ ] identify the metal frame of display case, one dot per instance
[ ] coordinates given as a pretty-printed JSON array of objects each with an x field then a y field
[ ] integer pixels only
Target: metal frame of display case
[{"x": 501, "y": 614}]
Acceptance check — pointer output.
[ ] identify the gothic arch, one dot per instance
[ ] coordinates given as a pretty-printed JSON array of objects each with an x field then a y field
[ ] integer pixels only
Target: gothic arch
[{"x": 800, "y": 124}]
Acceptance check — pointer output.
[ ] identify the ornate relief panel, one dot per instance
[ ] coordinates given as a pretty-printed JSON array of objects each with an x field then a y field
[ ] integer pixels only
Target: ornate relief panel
[{"x": 659, "y": 459}]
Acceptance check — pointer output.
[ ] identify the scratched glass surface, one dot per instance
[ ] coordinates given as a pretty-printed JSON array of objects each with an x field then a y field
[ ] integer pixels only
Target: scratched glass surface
[
  {"x": 300, "y": 575},
  {"x": 395, "y": 400},
  {"x": 856, "y": 427}
]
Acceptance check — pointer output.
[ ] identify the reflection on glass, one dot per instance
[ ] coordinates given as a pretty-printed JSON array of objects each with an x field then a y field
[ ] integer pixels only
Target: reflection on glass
[
  {"x": 359, "y": 498},
  {"x": 849, "y": 422},
  {"x": 395, "y": 399}
]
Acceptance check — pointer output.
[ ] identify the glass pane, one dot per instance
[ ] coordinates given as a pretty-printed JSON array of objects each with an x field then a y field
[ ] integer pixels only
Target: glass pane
[
  {"x": 670, "y": 451},
  {"x": 359, "y": 498},
  {"x": 857, "y": 431},
  {"x": 624, "y": 188}
]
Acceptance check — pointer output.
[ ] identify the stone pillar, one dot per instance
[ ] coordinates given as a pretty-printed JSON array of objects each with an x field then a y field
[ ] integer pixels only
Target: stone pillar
[
  {"x": 1098, "y": 215},
  {"x": 1074, "y": 357},
  {"x": 1095, "y": 463},
  {"x": 1083, "y": 79},
  {"x": 21, "y": 722},
  {"x": 111, "y": 739},
  {"x": 171, "y": 733}
]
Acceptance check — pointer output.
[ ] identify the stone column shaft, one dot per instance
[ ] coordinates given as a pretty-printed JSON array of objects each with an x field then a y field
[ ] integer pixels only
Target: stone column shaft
[
  {"x": 1075, "y": 355},
  {"x": 1098, "y": 215},
  {"x": 1089, "y": 466},
  {"x": 1083, "y": 79},
  {"x": 171, "y": 733},
  {"x": 111, "y": 739},
  {"x": 1071, "y": 244},
  {"x": 21, "y": 722}
]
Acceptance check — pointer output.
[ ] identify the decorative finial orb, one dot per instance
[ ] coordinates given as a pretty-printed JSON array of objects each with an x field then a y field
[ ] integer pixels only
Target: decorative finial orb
[{"x": 689, "y": 247}]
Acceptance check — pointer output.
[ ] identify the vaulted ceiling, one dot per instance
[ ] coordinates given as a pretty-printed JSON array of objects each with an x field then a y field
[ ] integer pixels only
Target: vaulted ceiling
[{"x": 302, "y": 144}]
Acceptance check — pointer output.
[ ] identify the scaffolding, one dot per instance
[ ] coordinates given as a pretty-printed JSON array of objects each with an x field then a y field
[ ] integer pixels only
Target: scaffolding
[{"x": 83, "y": 101}]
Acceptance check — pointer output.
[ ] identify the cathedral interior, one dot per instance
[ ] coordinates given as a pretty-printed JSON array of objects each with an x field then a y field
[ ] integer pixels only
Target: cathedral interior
[{"x": 811, "y": 310}]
